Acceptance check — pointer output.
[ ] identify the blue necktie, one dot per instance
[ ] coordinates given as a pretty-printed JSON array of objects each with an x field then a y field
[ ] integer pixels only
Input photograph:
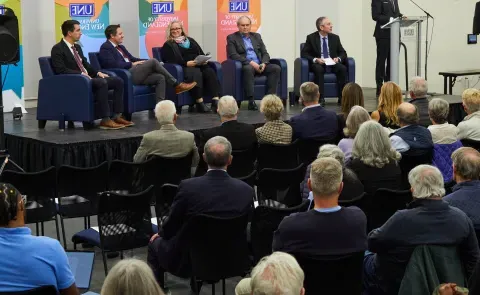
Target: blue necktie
[{"x": 325, "y": 47}]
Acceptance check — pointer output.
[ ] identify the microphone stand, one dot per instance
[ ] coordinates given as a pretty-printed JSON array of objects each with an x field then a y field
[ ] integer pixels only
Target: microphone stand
[{"x": 426, "y": 36}]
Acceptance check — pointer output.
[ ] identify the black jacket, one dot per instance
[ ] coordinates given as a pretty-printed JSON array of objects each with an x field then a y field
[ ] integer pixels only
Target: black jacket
[
  {"x": 63, "y": 61},
  {"x": 236, "y": 49},
  {"x": 422, "y": 105},
  {"x": 316, "y": 122},
  {"x": 312, "y": 48},
  {"x": 171, "y": 53},
  {"x": 241, "y": 135},
  {"x": 382, "y": 11}
]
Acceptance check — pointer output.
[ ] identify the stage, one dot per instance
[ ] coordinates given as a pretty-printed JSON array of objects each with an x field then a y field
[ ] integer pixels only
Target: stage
[{"x": 34, "y": 149}]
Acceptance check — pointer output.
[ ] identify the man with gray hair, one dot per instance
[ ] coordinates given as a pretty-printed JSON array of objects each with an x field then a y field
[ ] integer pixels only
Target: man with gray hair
[
  {"x": 167, "y": 141},
  {"x": 215, "y": 194},
  {"x": 466, "y": 173},
  {"x": 311, "y": 233},
  {"x": 418, "y": 94},
  {"x": 428, "y": 221}
]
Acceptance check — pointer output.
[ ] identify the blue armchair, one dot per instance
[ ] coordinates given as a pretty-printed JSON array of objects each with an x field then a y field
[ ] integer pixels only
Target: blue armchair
[
  {"x": 57, "y": 101},
  {"x": 136, "y": 98},
  {"x": 233, "y": 82},
  {"x": 302, "y": 74},
  {"x": 177, "y": 71}
]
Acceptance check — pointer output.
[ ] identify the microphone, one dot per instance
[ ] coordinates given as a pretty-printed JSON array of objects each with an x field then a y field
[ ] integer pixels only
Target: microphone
[{"x": 428, "y": 14}]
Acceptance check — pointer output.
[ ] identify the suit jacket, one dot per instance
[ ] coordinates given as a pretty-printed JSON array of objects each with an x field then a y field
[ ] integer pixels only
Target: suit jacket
[
  {"x": 63, "y": 61},
  {"x": 171, "y": 53},
  {"x": 241, "y": 135},
  {"x": 168, "y": 141},
  {"x": 382, "y": 11},
  {"x": 110, "y": 57},
  {"x": 236, "y": 48},
  {"x": 312, "y": 47},
  {"x": 315, "y": 122}
]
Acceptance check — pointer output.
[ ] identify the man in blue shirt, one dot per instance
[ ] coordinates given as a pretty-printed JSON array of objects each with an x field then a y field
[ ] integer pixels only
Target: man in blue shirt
[
  {"x": 248, "y": 48},
  {"x": 28, "y": 262}
]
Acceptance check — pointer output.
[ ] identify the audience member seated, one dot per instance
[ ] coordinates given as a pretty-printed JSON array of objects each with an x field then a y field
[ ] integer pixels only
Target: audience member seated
[
  {"x": 315, "y": 122},
  {"x": 241, "y": 135},
  {"x": 277, "y": 274},
  {"x": 131, "y": 276},
  {"x": 388, "y": 101},
  {"x": 374, "y": 160},
  {"x": 144, "y": 72},
  {"x": 466, "y": 173},
  {"x": 168, "y": 141},
  {"x": 28, "y": 262},
  {"x": 356, "y": 117},
  {"x": 418, "y": 94},
  {"x": 469, "y": 127},
  {"x": 182, "y": 49},
  {"x": 248, "y": 48},
  {"x": 352, "y": 187},
  {"x": 315, "y": 233},
  {"x": 428, "y": 221},
  {"x": 67, "y": 58},
  {"x": 215, "y": 193},
  {"x": 450, "y": 289},
  {"x": 352, "y": 95},
  {"x": 411, "y": 139},
  {"x": 442, "y": 132},
  {"x": 275, "y": 130},
  {"x": 319, "y": 46}
]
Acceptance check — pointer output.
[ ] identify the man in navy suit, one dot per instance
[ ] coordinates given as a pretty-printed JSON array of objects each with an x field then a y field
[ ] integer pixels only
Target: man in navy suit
[
  {"x": 144, "y": 72},
  {"x": 315, "y": 122},
  {"x": 215, "y": 193}
]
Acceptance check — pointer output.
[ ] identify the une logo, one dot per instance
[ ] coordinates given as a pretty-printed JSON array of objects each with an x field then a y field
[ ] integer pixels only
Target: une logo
[
  {"x": 77, "y": 9},
  {"x": 2, "y": 9},
  {"x": 241, "y": 6},
  {"x": 163, "y": 7}
]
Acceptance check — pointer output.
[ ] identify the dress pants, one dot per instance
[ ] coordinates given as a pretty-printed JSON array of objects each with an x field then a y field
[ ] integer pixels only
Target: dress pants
[
  {"x": 100, "y": 87},
  {"x": 319, "y": 71},
  {"x": 206, "y": 79},
  {"x": 383, "y": 55},
  {"x": 273, "y": 76},
  {"x": 152, "y": 73}
]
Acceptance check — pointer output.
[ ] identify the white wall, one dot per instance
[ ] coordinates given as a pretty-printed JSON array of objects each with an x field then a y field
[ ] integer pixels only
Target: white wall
[{"x": 121, "y": 13}]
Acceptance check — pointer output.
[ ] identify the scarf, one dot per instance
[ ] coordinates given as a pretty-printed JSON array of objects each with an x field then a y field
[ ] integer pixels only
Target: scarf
[{"x": 182, "y": 42}]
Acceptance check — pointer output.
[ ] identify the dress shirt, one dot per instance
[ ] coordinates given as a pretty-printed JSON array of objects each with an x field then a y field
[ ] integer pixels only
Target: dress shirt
[
  {"x": 311, "y": 106},
  {"x": 321, "y": 47},
  {"x": 213, "y": 169},
  {"x": 69, "y": 46},
  {"x": 322, "y": 210},
  {"x": 118, "y": 49},
  {"x": 251, "y": 55},
  {"x": 398, "y": 143}
]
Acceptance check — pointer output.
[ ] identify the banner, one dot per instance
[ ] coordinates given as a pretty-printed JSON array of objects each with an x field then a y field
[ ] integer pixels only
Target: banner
[
  {"x": 93, "y": 16},
  {"x": 154, "y": 18},
  {"x": 12, "y": 76},
  {"x": 228, "y": 11}
]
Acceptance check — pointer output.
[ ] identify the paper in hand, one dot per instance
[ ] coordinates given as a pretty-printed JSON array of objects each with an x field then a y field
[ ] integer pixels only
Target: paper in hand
[
  {"x": 200, "y": 59},
  {"x": 329, "y": 61}
]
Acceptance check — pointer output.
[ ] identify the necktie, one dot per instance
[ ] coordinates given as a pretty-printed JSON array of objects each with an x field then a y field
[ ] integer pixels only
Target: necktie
[
  {"x": 122, "y": 53},
  {"x": 78, "y": 60},
  {"x": 325, "y": 47}
]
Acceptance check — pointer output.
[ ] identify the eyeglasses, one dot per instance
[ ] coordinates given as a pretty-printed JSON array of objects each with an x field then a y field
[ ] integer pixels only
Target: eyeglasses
[{"x": 175, "y": 29}]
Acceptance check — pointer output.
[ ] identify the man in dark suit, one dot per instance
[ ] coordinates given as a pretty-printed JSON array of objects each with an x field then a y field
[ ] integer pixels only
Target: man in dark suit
[
  {"x": 321, "y": 45},
  {"x": 215, "y": 193},
  {"x": 382, "y": 12},
  {"x": 67, "y": 58},
  {"x": 248, "y": 48},
  {"x": 144, "y": 72},
  {"x": 315, "y": 122}
]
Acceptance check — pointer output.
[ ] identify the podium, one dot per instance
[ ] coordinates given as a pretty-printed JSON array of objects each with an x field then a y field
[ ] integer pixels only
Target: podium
[{"x": 394, "y": 25}]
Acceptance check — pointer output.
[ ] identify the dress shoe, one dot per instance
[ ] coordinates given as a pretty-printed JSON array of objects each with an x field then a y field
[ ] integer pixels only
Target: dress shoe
[
  {"x": 110, "y": 125},
  {"x": 252, "y": 106},
  {"x": 201, "y": 107},
  {"x": 214, "y": 106},
  {"x": 124, "y": 122},
  {"x": 182, "y": 87},
  {"x": 71, "y": 125},
  {"x": 191, "y": 108}
]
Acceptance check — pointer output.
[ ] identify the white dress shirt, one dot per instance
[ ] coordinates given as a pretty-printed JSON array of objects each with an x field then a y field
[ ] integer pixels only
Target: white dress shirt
[
  {"x": 125, "y": 58},
  {"x": 321, "y": 47},
  {"x": 71, "y": 50},
  {"x": 398, "y": 143}
]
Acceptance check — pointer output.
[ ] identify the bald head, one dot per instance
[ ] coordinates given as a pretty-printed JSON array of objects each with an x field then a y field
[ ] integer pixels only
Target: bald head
[
  {"x": 218, "y": 153},
  {"x": 407, "y": 114}
]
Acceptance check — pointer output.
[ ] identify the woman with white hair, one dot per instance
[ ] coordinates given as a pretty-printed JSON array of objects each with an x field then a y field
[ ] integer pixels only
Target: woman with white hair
[
  {"x": 442, "y": 132},
  {"x": 374, "y": 160},
  {"x": 355, "y": 118},
  {"x": 131, "y": 277},
  {"x": 275, "y": 131}
]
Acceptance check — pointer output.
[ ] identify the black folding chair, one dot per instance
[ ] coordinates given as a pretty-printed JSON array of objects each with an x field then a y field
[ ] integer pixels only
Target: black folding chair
[
  {"x": 41, "y": 191},
  {"x": 124, "y": 223},
  {"x": 278, "y": 156},
  {"x": 163, "y": 202},
  {"x": 265, "y": 221},
  {"x": 408, "y": 162},
  {"x": 308, "y": 149},
  {"x": 332, "y": 274},
  {"x": 122, "y": 175},
  {"x": 281, "y": 185},
  {"x": 78, "y": 190},
  {"x": 362, "y": 202},
  {"x": 471, "y": 143},
  {"x": 384, "y": 204},
  {"x": 243, "y": 162},
  {"x": 44, "y": 290},
  {"x": 249, "y": 179}
]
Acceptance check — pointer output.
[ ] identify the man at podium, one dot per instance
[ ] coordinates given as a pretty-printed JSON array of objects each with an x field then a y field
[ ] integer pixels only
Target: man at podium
[{"x": 382, "y": 12}]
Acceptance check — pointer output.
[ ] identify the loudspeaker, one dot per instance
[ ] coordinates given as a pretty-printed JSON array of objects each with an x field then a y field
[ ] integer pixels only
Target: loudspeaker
[
  {"x": 9, "y": 38},
  {"x": 476, "y": 20}
]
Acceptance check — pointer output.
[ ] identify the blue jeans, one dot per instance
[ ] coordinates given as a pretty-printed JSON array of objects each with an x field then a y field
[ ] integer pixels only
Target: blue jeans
[{"x": 370, "y": 280}]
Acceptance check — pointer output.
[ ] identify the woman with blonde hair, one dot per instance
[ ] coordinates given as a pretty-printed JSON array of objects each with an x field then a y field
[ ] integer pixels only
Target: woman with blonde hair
[
  {"x": 275, "y": 131},
  {"x": 182, "y": 50},
  {"x": 131, "y": 277},
  {"x": 356, "y": 117},
  {"x": 388, "y": 101}
]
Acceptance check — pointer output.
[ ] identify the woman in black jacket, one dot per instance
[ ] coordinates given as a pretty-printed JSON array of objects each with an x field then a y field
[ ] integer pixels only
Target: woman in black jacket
[{"x": 182, "y": 50}]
